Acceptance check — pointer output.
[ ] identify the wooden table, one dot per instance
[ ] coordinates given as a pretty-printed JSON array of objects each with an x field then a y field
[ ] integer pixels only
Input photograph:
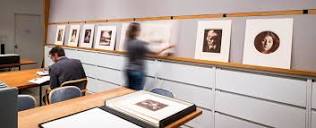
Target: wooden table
[
  {"x": 22, "y": 62},
  {"x": 33, "y": 117},
  {"x": 20, "y": 80}
]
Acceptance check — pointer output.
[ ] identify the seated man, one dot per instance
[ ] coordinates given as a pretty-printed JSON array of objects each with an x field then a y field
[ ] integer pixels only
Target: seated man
[{"x": 64, "y": 69}]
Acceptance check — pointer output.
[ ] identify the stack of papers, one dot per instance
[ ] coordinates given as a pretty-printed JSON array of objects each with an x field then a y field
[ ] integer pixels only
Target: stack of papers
[
  {"x": 40, "y": 80},
  {"x": 2, "y": 85},
  {"x": 42, "y": 73}
]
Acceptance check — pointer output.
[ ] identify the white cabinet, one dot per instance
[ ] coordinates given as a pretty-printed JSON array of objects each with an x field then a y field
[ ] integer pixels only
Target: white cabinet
[
  {"x": 264, "y": 112},
  {"x": 286, "y": 90}
]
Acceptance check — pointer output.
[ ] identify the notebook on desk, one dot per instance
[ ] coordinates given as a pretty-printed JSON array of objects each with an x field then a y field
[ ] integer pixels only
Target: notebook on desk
[{"x": 92, "y": 118}]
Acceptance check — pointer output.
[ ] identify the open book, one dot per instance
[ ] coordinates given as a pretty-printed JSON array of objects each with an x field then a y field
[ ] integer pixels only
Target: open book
[{"x": 40, "y": 80}]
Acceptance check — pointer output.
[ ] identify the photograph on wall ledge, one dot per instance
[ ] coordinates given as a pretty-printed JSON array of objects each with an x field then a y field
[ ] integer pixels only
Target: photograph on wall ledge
[
  {"x": 213, "y": 40},
  {"x": 268, "y": 42},
  {"x": 87, "y": 34},
  {"x": 158, "y": 34},
  {"x": 60, "y": 35},
  {"x": 73, "y": 35},
  {"x": 105, "y": 38}
]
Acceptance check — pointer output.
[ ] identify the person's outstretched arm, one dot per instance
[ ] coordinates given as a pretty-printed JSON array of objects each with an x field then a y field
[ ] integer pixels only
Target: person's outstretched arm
[{"x": 161, "y": 50}]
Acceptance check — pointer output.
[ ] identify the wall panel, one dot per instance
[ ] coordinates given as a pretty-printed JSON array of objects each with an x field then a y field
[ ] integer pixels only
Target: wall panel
[
  {"x": 200, "y": 96},
  {"x": 223, "y": 121},
  {"x": 271, "y": 114},
  {"x": 200, "y": 76},
  {"x": 95, "y": 85},
  {"x": 314, "y": 119},
  {"x": 314, "y": 95},
  {"x": 286, "y": 90}
]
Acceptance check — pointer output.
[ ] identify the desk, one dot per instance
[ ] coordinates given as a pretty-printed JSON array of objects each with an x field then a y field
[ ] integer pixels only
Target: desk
[
  {"x": 22, "y": 62},
  {"x": 33, "y": 117},
  {"x": 20, "y": 79}
]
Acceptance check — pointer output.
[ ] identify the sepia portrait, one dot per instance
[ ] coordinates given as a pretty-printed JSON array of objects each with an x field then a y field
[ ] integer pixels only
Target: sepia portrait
[
  {"x": 212, "y": 40},
  {"x": 151, "y": 105},
  {"x": 267, "y": 42}
]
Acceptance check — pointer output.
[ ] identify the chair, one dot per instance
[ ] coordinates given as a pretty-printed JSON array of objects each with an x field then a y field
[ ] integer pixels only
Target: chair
[
  {"x": 25, "y": 102},
  {"x": 63, "y": 93},
  {"x": 163, "y": 92},
  {"x": 80, "y": 83}
]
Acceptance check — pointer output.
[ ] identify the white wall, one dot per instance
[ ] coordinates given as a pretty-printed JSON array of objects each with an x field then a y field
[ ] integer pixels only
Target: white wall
[{"x": 7, "y": 10}]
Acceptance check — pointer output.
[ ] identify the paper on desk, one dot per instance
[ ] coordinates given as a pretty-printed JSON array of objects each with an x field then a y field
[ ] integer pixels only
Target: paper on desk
[
  {"x": 94, "y": 118},
  {"x": 42, "y": 73},
  {"x": 40, "y": 80}
]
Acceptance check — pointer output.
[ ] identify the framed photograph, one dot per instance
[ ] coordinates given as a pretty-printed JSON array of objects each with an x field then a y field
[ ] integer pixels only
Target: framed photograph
[
  {"x": 213, "y": 40},
  {"x": 73, "y": 37},
  {"x": 153, "y": 109},
  {"x": 105, "y": 38},
  {"x": 158, "y": 34},
  {"x": 268, "y": 42},
  {"x": 86, "y": 36},
  {"x": 60, "y": 35}
]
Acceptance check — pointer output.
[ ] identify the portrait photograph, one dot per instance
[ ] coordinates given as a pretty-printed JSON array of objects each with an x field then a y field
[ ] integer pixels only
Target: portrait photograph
[
  {"x": 213, "y": 40},
  {"x": 151, "y": 105},
  {"x": 158, "y": 34},
  {"x": 268, "y": 42},
  {"x": 105, "y": 38},
  {"x": 86, "y": 36},
  {"x": 73, "y": 37},
  {"x": 60, "y": 35}
]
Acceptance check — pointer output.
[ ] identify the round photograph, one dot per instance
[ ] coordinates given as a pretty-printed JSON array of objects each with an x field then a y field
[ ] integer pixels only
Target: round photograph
[{"x": 267, "y": 42}]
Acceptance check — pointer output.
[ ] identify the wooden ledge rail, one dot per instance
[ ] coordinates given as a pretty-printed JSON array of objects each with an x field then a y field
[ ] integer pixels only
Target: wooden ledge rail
[
  {"x": 198, "y": 16},
  {"x": 229, "y": 65}
]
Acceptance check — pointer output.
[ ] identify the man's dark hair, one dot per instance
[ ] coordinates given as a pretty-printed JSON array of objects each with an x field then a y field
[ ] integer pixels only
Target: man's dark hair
[
  {"x": 59, "y": 50},
  {"x": 132, "y": 30}
]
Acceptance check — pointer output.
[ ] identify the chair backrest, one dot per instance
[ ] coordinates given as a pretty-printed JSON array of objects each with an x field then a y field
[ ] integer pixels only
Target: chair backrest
[
  {"x": 64, "y": 93},
  {"x": 162, "y": 92},
  {"x": 80, "y": 83},
  {"x": 26, "y": 102},
  {"x": 8, "y": 108}
]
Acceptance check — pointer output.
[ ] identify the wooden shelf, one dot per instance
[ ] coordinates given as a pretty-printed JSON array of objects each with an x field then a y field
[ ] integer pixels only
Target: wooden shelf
[
  {"x": 235, "y": 66},
  {"x": 198, "y": 16}
]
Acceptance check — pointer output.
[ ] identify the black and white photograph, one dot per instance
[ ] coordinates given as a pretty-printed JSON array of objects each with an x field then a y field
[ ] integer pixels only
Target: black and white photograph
[
  {"x": 151, "y": 105},
  {"x": 87, "y": 35},
  {"x": 268, "y": 42},
  {"x": 73, "y": 37},
  {"x": 60, "y": 35},
  {"x": 105, "y": 38},
  {"x": 213, "y": 40}
]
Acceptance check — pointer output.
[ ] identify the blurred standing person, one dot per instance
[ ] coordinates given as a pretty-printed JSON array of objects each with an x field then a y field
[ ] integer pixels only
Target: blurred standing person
[{"x": 136, "y": 53}]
